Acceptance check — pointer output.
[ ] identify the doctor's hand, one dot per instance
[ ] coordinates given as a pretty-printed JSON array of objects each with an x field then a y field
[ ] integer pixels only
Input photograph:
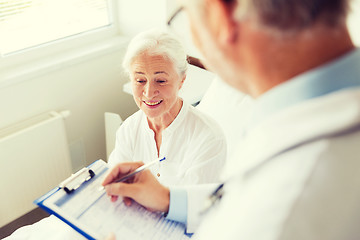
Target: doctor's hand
[
  {"x": 143, "y": 188},
  {"x": 111, "y": 236}
]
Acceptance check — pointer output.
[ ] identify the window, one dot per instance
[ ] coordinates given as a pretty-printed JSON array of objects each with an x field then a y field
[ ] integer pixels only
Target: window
[{"x": 29, "y": 23}]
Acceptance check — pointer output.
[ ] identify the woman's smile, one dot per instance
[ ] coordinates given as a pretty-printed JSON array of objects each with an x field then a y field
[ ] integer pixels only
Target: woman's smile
[{"x": 152, "y": 104}]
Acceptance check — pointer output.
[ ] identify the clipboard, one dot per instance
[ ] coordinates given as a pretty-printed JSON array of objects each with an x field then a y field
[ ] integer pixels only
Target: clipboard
[{"x": 82, "y": 203}]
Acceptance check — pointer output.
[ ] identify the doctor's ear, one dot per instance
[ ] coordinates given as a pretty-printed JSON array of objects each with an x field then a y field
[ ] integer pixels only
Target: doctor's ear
[{"x": 222, "y": 21}]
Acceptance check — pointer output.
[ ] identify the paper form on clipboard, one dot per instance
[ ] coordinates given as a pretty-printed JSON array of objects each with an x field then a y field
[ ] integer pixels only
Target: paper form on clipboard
[{"x": 91, "y": 213}]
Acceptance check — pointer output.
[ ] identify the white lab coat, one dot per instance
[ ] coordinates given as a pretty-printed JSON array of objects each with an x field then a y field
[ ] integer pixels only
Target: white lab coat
[{"x": 299, "y": 177}]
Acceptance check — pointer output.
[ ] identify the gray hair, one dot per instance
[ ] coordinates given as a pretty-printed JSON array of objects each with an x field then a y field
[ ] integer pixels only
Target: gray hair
[
  {"x": 293, "y": 14},
  {"x": 157, "y": 42}
]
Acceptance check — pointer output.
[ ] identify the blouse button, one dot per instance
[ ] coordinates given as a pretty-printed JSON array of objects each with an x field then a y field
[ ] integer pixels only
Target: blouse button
[{"x": 158, "y": 174}]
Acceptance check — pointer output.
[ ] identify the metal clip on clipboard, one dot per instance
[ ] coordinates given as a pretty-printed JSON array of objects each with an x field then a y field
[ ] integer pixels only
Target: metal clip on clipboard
[{"x": 74, "y": 182}]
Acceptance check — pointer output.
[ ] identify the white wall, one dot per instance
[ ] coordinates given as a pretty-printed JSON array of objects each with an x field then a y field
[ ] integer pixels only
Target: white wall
[
  {"x": 87, "y": 88},
  {"x": 354, "y": 22},
  {"x": 138, "y": 15}
]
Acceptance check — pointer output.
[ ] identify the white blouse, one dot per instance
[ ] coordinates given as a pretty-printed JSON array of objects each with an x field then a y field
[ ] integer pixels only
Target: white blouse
[{"x": 193, "y": 144}]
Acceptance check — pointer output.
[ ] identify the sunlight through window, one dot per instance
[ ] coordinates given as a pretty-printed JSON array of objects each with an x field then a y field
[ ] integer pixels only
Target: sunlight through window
[{"x": 29, "y": 23}]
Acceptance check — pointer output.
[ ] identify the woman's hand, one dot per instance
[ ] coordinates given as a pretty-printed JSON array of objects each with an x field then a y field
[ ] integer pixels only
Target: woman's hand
[{"x": 143, "y": 187}]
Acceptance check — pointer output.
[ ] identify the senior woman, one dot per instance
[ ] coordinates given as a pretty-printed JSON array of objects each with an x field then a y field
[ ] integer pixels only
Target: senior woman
[{"x": 165, "y": 125}]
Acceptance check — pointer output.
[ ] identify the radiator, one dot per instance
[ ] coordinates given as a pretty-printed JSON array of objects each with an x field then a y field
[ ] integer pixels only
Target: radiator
[{"x": 34, "y": 158}]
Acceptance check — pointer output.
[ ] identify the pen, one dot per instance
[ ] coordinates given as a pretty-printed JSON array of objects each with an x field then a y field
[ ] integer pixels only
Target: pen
[{"x": 139, "y": 169}]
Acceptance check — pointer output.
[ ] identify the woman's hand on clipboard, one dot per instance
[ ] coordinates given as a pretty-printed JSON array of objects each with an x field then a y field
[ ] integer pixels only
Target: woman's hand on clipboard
[{"x": 143, "y": 187}]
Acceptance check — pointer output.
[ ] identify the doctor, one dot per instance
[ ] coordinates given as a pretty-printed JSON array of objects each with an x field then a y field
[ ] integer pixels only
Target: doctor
[{"x": 301, "y": 177}]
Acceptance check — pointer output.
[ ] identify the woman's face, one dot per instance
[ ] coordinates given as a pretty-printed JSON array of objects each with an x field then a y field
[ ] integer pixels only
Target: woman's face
[{"x": 155, "y": 84}]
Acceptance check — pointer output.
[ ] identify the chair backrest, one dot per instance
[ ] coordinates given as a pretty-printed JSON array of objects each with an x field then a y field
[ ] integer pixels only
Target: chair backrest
[
  {"x": 231, "y": 109},
  {"x": 112, "y": 123}
]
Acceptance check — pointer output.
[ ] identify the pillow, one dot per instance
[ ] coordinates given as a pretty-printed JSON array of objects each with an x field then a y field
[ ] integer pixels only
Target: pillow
[
  {"x": 230, "y": 108},
  {"x": 196, "y": 83}
]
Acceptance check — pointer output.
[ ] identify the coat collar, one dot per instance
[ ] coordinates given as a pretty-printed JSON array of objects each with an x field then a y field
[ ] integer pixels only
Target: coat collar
[{"x": 341, "y": 73}]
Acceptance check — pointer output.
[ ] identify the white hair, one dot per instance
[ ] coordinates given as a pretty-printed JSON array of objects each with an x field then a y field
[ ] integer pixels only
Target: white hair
[{"x": 157, "y": 42}]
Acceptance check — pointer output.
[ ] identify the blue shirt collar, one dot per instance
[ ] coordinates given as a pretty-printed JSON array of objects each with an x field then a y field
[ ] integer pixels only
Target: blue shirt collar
[{"x": 341, "y": 73}]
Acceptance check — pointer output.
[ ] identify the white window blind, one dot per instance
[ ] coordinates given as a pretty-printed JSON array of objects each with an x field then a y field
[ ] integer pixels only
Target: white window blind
[{"x": 28, "y": 23}]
